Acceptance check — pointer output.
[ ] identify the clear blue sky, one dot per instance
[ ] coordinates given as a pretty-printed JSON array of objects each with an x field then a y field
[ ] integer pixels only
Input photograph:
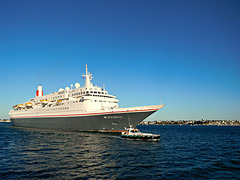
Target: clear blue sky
[{"x": 186, "y": 53}]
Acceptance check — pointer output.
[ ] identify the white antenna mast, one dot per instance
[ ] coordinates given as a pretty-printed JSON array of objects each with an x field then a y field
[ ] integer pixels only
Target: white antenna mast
[
  {"x": 86, "y": 69},
  {"x": 88, "y": 78},
  {"x": 103, "y": 87}
]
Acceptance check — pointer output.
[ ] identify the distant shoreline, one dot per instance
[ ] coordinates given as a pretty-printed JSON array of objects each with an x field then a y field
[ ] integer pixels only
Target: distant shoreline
[
  {"x": 182, "y": 122},
  {"x": 196, "y": 122}
]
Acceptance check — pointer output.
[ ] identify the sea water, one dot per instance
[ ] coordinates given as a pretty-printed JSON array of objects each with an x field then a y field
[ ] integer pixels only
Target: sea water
[{"x": 183, "y": 152}]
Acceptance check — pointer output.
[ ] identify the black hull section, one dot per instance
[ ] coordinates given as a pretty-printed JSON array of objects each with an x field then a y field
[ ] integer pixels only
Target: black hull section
[{"x": 106, "y": 122}]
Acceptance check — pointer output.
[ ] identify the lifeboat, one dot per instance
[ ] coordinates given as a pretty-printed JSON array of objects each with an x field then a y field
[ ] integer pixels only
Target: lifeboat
[
  {"x": 20, "y": 106},
  {"x": 59, "y": 100},
  {"x": 44, "y": 101},
  {"x": 28, "y": 104}
]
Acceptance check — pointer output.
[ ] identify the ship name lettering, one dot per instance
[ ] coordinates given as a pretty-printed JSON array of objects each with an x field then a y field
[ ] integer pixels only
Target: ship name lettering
[{"x": 113, "y": 117}]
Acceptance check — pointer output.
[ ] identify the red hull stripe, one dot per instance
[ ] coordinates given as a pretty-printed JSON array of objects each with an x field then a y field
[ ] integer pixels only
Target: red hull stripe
[{"x": 114, "y": 112}]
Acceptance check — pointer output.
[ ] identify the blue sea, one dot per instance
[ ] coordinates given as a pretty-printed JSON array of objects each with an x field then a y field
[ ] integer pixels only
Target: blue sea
[{"x": 183, "y": 152}]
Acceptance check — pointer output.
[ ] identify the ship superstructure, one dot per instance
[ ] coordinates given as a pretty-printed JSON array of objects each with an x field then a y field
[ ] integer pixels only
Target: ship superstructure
[{"x": 87, "y": 108}]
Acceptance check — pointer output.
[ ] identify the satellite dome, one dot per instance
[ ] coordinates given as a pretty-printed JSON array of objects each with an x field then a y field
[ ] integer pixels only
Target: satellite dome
[
  {"x": 67, "y": 89},
  {"x": 61, "y": 90},
  {"x": 77, "y": 85}
]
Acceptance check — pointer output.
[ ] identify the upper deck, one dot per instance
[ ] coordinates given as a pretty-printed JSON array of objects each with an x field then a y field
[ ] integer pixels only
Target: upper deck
[{"x": 93, "y": 97}]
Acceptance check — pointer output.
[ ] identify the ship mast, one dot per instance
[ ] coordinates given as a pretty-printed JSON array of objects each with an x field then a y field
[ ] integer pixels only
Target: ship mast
[{"x": 88, "y": 78}]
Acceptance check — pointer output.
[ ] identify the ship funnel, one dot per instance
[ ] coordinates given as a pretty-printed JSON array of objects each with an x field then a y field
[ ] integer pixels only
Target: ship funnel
[{"x": 39, "y": 92}]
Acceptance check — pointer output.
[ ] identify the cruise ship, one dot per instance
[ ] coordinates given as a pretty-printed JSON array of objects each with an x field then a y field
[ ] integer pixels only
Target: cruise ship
[{"x": 87, "y": 108}]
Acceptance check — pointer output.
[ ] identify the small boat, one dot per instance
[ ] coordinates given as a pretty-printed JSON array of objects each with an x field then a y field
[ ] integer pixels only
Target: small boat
[{"x": 132, "y": 133}]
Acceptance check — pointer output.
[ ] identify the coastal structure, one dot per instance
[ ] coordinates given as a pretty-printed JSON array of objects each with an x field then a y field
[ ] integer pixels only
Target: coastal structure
[{"x": 87, "y": 108}]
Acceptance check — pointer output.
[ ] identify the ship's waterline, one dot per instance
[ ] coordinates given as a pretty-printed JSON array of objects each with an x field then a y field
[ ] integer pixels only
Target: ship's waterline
[{"x": 88, "y": 108}]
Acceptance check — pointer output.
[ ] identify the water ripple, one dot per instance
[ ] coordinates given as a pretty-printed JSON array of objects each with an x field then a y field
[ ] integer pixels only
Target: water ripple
[{"x": 184, "y": 152}]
